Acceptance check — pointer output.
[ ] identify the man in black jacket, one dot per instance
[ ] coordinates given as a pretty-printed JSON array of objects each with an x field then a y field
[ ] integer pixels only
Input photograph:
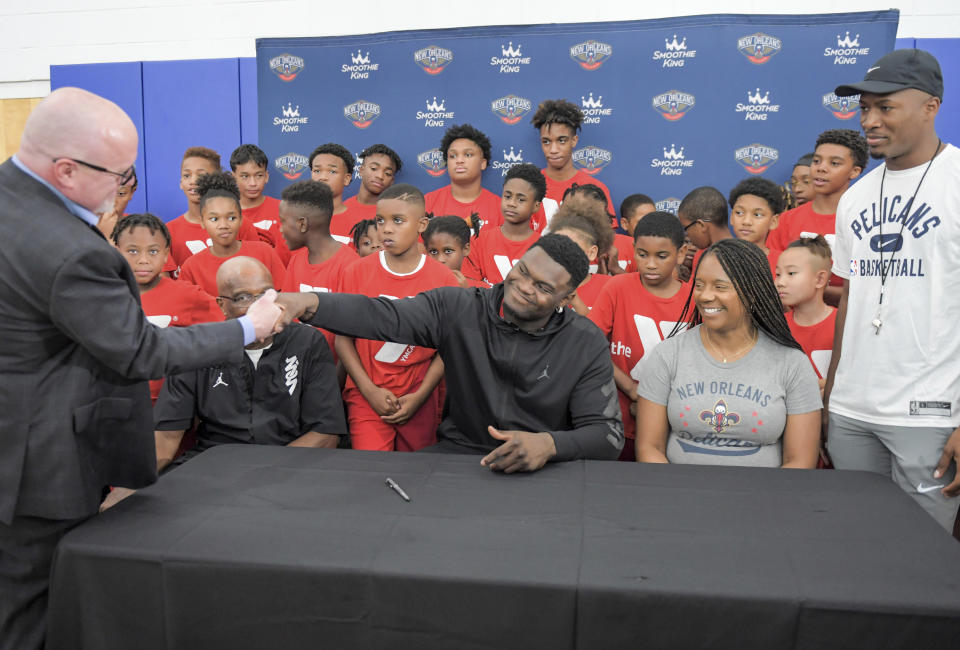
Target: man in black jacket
[{"x": 528, "y": 381}]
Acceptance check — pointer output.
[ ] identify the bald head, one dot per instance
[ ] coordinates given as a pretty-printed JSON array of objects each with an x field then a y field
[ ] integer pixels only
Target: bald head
[
  {"x": 71, "y": 124},
  {"x": 243, "y": 275}
]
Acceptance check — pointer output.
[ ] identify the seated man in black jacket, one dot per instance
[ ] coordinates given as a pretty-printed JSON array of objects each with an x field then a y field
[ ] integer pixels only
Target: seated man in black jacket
[
  {"x": 528, "y": 381},
  {"x": 283, "y": 392}
]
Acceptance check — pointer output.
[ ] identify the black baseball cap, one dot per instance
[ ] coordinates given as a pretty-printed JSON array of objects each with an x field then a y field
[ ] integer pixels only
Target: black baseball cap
[{"x": 899, "y": 70}]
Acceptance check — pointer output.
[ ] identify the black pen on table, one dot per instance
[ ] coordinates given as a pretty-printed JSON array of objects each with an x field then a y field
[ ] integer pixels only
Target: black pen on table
[{"x": 396, "y": 488}]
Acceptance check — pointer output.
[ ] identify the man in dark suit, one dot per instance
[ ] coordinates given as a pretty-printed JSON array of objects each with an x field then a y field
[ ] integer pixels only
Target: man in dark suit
[{"x": 75, "y": 347}]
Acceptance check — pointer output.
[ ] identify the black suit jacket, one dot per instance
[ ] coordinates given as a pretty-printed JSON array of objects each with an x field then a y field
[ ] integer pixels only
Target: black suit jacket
[{"x": 75, "y": 354}]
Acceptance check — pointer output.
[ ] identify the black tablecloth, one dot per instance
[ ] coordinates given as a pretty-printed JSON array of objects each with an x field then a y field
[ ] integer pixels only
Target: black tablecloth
[{"x": 273, "y": 547}]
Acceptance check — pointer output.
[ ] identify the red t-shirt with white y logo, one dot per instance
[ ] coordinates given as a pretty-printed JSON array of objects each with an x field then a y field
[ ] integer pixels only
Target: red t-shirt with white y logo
[
  {"x": 324, "y": 277},
  {"x": 492, "y": 255},
  {"x": 177, "y": 304},
  {"x": 398, "y": 367},
  {"x": 634, "y": 321},
  {"x": 441, "y": 204},
  {"x": 188, "y": 239}
]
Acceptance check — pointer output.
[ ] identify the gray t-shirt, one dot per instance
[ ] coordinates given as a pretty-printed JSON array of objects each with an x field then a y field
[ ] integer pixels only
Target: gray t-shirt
[{"x": 727, "y": 413}]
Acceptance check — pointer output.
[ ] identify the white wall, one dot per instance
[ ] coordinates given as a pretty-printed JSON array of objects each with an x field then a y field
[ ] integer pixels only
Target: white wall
[{"x": 35, "y": 34}]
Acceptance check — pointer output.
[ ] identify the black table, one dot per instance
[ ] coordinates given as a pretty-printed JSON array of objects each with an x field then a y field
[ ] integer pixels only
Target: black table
[{"x": 263, "y": 547}]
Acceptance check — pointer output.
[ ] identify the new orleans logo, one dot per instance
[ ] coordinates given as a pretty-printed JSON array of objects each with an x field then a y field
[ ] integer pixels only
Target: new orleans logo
[
  {"x": 361, "y": 113},
  {"x": 719, "y": 418},
  {"x": 591, "y": 159},
  {"x": 286, "y": 66},
  {"x": 590, "y": 54},
  {"x": 756, "y": 158},
  {"x": 673, "y": 104},
  {"x": 291, "y": 165},
  {"x": 759, "y": 47},
  {"x": 432, "y": 162},
  {"x": 671, "y": 204},
  {"x": 433, "y": 59},
  {"x": 843, "y": 108},
  {"x": 511, "y": 109}
]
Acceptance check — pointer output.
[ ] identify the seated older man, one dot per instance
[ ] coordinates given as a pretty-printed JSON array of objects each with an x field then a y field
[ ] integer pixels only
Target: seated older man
[{"x": 283, "y": 392}]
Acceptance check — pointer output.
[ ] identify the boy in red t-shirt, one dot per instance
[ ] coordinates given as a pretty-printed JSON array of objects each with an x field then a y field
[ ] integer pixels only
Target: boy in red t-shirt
[
  {"x": 447, "y": 240},
  {"x": 317, "y": 260},
  {"x": 557, "y": 121},
  {"x": 839, "y": 158},
  {"x": 496, "y": 250},
  {"x": 704, "y": 217},
  {"x": 187, "y": 234},
  {"x": 586, "y": 222},
  {"x": 638, "y": 310},
  {"x": 145, "y": 242},
  {"x": 803, "y": 272},
  {"x": 378, "y": 169},
  {"x": 332, "y": 164},
  {"x": 755, "y": 207},
  {"x": 221, "y": 217},
  {"x": 248, "y": 162},
  {"x": 466, "y": 151},
  {"x": 391, "y": 394}
]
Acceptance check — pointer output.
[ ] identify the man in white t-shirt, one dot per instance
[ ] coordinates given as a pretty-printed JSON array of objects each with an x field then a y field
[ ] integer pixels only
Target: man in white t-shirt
[{"x": 893, "y": 388}]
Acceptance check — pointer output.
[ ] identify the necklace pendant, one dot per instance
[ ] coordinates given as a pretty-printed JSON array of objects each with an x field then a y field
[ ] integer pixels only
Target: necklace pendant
[{"x": 877, "y": 324}]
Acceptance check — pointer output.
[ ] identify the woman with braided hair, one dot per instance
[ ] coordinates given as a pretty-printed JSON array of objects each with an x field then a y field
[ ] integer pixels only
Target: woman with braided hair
[{"x": 730, "y": 385}]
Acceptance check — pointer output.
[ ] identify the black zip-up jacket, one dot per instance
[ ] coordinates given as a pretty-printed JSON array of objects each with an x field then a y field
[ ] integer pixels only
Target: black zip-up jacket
[{"x": 557, "y": 380}]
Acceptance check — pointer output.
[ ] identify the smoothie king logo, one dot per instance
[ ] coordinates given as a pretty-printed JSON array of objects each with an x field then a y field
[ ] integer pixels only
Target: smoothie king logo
[
  {"x": 673, "y": 104},
  {"x": 510, "y": 159},
  {"x": 510, "y": 60},
  {"x": 591, "y": 54},
  {"x": 756, "y": 158},
  {"x": 286, "y": 66},
  {"x": 673, "y": 162},
  {"x": 843, "y": 108},
  {"x": 593, "y": 109},
  {"x": 291, "y": 120},
  {"x": 433, "y": 59},
  {"x": 511, "y": 109},
  {"x": 360, "y": 66},
  {"x": 759, "y": 47},
  {"x": 291, "y": 165},
  {"x": 432, "y": 162},
  {"x": 591, "y": 159},
  {"x": 758, "y": 106},
  {"x": 361, "y": 113},
  {"x": 847, "y": 50},
  {"x": 436, "y": 113},
  {"x": 674, "y": 53}
]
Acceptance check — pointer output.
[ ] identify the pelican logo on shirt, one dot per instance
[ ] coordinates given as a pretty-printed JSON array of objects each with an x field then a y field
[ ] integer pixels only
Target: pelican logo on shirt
[
  {"x": 292, "y": 371},
  {"x": 719, "y": 418}
]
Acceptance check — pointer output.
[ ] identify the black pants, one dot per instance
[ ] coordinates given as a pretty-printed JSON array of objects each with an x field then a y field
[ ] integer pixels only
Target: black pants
[{"x": 26, "y": 553}]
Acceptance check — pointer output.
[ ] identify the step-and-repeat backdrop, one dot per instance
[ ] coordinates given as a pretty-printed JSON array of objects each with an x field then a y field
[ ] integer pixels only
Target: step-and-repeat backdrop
[{"x": 668, "y": 105}]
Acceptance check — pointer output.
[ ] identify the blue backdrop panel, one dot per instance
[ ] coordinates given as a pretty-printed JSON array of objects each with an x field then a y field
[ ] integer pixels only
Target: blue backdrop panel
[
  {"x": 120, "y": 83},
  {"x": 947, "y": 51},
  {"x": 671, "y": 104},
  {"x": 248, "y": 102},
  {"x": 186, "y": 104}
]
